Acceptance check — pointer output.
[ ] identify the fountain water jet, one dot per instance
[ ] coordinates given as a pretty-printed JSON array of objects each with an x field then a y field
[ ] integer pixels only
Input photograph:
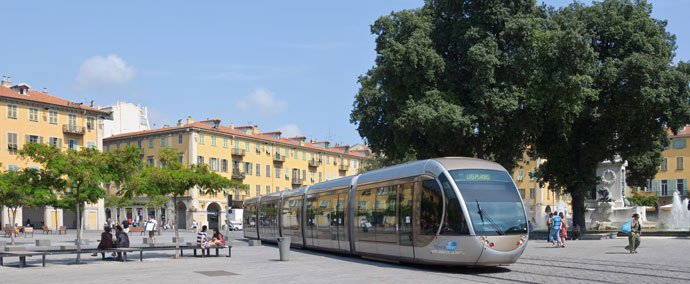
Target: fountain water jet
[{"x": 676, "y": 216}]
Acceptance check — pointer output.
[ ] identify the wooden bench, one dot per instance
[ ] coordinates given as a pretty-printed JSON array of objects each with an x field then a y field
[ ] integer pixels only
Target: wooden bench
[
  {"x": 46, "y": 230},
  {"x": 27, "y": 231},
  {"x": 62, "y": 229},
  {"x": 208, "y": 250},
  {"x": 136, "y": 229}
]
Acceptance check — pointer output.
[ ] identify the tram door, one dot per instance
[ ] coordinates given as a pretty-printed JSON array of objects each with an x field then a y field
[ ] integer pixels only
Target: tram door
[
  {"x": 310, "y": 228},
  {"x": 386, "y": 217},
  {"x": 405, "y": 220},
  {"x": 339, "y": 220}
]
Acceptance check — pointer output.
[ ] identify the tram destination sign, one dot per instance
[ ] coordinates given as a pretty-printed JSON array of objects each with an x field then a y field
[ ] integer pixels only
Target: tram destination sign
[{"x": 479, "y": 176}]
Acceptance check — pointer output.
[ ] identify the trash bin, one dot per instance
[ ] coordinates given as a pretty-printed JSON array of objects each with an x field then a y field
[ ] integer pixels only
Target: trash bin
[{"x": 284, "y": 247}]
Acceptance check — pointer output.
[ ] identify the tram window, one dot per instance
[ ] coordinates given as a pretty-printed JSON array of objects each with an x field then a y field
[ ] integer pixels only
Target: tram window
[
  {"x": 431, "y": 207},
  {"x": 454, "y": 223}
]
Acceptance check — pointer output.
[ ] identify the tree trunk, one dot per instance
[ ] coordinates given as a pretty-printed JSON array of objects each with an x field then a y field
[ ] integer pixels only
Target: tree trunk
[
  {"x": 579, "y": 209},
  {"x": 177, "y": 232},
  {"x": 78, "y": 233},
  {"x": 13, "y": 222}
]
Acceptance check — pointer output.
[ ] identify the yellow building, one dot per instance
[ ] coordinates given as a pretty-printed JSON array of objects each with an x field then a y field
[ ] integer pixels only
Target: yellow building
[
  {"x": 672, "y": 175},
  {"x": 34, "y": 116},
  {"x": 266, "y": 162},
  {"x": 537, "y": 199}
]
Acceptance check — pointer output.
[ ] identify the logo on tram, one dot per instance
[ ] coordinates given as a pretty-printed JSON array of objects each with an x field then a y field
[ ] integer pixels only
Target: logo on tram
[{"x": 450, "y": 247}]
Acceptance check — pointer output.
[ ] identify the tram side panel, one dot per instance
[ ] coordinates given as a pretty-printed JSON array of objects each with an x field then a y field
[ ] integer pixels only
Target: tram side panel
[
  {"x": 268, "y": 220},
  {"x": 250, "y": 220},
  {"x": 291, "y": 220}
]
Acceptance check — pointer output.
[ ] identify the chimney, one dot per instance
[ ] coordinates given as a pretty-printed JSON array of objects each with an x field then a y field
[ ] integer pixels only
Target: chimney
[
  {"x": 189, "y": 120},
  {"x": 232, "y": 126},
  {"x": 6, "y": 82},
  {"x": 179, "y": 122}
]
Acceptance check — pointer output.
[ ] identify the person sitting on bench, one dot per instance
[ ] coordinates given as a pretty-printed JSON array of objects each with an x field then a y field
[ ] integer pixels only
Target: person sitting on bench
[
  {"x": 106, "y": 240},
  {"x": 122, "y": 240},
  {"x": 217, "y": 240}
]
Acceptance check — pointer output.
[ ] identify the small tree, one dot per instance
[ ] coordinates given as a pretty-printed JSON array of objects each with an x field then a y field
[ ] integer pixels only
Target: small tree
[
  {"x": 83, "y": 172},
  {"x": 174, "y": 180},
  {"x": 27, "y": 187}
]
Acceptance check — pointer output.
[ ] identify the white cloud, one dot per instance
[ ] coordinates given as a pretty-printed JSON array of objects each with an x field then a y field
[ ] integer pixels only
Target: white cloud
[
  {"x": 263, "y": 101},
  {"x": 98, "y": 72},
  {"x": 289, "y": 130}
]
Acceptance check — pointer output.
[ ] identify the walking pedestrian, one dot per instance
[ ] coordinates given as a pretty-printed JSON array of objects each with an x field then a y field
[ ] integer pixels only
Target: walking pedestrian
[
  {"x": 563, "y": 230},
  {"x": 556, "y": 229},
  {"x": 150, "y": 227},
  {"x": 634, "y": 236},
  {"x": 549, "y": 225}
]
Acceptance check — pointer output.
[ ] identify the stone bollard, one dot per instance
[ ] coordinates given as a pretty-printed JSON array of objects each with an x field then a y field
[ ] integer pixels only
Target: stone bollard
[
  {"x": 42, "y": 243},
  {"x": 254, "y": 243}
]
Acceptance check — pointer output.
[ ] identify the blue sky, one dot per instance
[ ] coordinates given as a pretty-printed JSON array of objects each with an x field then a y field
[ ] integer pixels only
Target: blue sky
[{"x": 282, "y": 65}]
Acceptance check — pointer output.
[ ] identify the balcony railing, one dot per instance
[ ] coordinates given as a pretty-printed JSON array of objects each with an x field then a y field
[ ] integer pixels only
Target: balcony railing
[
  {"x": 73, "y": 129},
  {"x": 238, "y": 152},
  {"x": 278, "y": 158},
  {"x": 297, "y": 181},
  {"x": 343, "y": 167},
  {"x": 314, "y": 163},
  {"x": 236, "y": 174}
]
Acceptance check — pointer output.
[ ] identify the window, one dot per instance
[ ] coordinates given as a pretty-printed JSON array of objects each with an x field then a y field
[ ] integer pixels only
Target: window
[
  {"x": 53, "y": 117},
  {"x": 224, "y": 165},
  {"x": 162, "y": 141},
  {"x": 90, "y": 123},
  {"x": 246, "y": 146},
  {"x": 54, "y": 141},
  {"x": 12, "y": 111},
  {"x": 679, "y": 163},
  {"x": 33, "y": 114},
  {"x": 664, "y": 164},
  {"x": 258, "y": 169},
  {"x": 180, "y": 157},
  {"x": 213, "y": 141},
  {"x": 200, "y": 160},
  {"x": 522, "y": 192},
  {"x": 139, "y": 143},
  {"x": 257, "y": 147},
  {"x": 258, "y": 190},
  {"x": 680, "y": 186},
  {"x": 179, "y": 138},
  {"x": 72, "y": 121},
  {"x": 304, "y": 155},
  {"x": 277, "y": 172},
  {"x": 72, "y": 144},
  {"x": 33, "y": 139},
  {"x": 320, "y": 176},
  {"x": 150, "y": 142},
  {"x": 532, "y": 193},
  {"x": 268, "y": 170},
  {"x": 328, "y": 159},
  {"x": 664, "y": 187},
  {"x": 12, "y": 144},
  {"x": 201, "y": 138},
  {"x": 268, "y": 189},
  {"x": 149, "y": 161},
  {"x": 91, "y": 145},
  {"x": 277, "y": 188},
  {"x": 13, "y": 168},
  {"x": 213, "y": 164},
  {"x": 520, "y": 175},
  {"x": 248, "y": 168},
  {"x": 225, "y": 142},
  {"x": 679, "y": 143}
]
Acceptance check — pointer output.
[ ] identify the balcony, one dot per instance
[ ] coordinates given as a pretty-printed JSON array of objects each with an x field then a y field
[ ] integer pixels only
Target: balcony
[
  {"x": 237, "y": 175},
  {"x": 343, "y": 167},
  {"x": 73, "y": 129},
  {"x": 278, "y": 158},
  {"x": 314, "y": 163},
  {"x": 297, "y": 181},
  {"x": 238, "y": 152}
]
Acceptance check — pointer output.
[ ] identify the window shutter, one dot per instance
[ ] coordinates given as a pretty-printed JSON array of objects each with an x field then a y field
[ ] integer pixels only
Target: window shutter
[
  {"x": 40, "y": 139},
  {"x": 685, "y": 186},
  {"x": 59, "y": 144}
]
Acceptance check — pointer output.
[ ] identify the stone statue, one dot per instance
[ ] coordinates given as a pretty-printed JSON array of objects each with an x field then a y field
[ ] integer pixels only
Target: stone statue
[{"x": 605, "y": 195}]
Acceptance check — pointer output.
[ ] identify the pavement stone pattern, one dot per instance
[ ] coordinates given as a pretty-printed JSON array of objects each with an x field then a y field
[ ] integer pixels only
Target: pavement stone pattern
[{"x": 660, "y": 260}]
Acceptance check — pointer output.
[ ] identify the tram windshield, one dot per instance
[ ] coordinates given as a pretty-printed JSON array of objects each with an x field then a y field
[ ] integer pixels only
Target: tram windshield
[{"x": 493, "y": 202}]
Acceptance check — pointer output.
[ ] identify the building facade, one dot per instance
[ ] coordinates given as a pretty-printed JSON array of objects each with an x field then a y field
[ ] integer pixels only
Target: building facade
[
  {"x": 127, "y": 117},
  {"x": 30, "y": 116},
  {"x": 672, "y": 175},
  {"x": 265, "y": 162}
]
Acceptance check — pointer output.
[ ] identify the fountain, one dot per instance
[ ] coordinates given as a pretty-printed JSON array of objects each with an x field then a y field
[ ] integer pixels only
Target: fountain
[
  {"x": 609, "y": 210},
  {"x": 675, "y": 216}
]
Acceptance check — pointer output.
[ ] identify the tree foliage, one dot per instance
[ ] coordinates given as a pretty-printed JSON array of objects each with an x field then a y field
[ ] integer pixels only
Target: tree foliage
[{"x": 579, "y": 85}]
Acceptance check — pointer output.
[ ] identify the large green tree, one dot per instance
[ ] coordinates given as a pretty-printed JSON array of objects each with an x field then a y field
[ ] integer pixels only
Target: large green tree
[
  {"x": 173, "y": 179},
  {"x": 450, "y": 79},
  {"x": 83, "y": 173},
  {"x": 605, "y": 88}
]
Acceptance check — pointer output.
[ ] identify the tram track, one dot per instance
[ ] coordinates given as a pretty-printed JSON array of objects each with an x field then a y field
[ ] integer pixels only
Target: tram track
[{"x": 614, "y": 263}]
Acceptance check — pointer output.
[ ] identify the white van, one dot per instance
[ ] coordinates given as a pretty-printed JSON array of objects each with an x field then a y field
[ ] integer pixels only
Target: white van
[{"x": 233, "y": 218}]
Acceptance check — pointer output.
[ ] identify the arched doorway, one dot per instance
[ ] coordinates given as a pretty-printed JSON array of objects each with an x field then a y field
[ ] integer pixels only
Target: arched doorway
[
  {"x": 181, "y": 214},
  {"x": 213, "y": 216}
]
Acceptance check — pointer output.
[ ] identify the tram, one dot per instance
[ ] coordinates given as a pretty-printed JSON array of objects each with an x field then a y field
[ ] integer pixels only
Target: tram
[{"x": 443, "y": 211}]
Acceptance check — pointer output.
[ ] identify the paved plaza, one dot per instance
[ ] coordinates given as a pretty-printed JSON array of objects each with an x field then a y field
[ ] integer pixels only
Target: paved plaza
[{"x": 660, "y": 260}]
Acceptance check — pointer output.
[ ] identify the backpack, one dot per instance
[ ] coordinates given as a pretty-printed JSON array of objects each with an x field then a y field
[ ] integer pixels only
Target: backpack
[{"x": 627, "y": 227}]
